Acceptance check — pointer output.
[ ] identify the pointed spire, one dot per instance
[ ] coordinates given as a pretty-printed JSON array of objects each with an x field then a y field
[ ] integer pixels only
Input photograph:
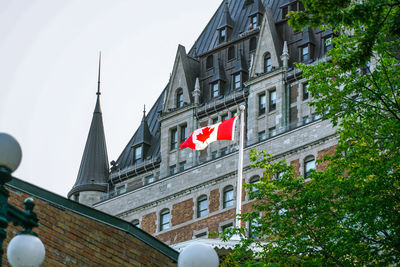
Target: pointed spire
[
  {"x": 94, "y": 168},
  {"x": 285, "y": 55},
  {"x": 196, "y": 92},
  {"x": 143, "y": 135},
  {"x": 240, "y": 65},
  {"x": 226, "y": 19}
]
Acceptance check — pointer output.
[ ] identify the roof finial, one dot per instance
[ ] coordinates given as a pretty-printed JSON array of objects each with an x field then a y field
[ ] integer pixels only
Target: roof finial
[
  {"x": 144, "y": 110},
  {"x": 98, "y": 79}
]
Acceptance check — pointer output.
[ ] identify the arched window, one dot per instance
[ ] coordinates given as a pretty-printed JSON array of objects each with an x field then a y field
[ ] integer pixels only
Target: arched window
[
  {"x": 309, "y": 164},
  {"x": 231, "y": 52},
  {"x": 227, "y": 197},
  {"x": 179, "y": 98},
  {"x": 165, "y": 218},
  {"x": 253, "y": 44},
  {"x": 267, "y": 63},
  {"x": 209, "y": 62},
  {"x": 254, "y": 180},
  {"x": 202, "y": 206}
]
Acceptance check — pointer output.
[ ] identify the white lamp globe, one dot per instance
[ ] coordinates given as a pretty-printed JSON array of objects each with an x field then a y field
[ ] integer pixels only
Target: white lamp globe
[
  {"x": 10, "y": 152},
  {"x": 25, "y": 250},
  {"x": 198, "y": 255}
]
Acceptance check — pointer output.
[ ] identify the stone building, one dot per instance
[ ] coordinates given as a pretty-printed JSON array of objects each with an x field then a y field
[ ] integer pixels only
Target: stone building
[{"x": 245, "y": 55}]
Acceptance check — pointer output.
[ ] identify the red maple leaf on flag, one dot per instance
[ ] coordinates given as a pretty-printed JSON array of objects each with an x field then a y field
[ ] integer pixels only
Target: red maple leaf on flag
[{"x": 205, "y": 134}]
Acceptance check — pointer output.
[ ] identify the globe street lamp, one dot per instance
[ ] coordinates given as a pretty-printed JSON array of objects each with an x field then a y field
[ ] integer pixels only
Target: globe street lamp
[
  {"x": 25, "y": 249},
  {"x": 198, "y": 255}
]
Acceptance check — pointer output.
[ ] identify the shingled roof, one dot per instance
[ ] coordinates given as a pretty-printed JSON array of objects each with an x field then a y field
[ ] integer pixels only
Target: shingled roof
[{"x": 239, "y": 13}]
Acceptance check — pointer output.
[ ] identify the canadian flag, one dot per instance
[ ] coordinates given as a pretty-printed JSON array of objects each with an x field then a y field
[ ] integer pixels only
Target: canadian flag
[{"x": 200, "y": 138}]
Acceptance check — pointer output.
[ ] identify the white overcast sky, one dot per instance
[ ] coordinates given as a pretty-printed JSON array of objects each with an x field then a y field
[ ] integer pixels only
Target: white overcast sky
[{"x": 48, "y": 74}]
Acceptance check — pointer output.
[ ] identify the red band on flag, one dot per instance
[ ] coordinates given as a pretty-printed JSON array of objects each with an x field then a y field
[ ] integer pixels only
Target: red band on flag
[{"x": 200, "y": 138}]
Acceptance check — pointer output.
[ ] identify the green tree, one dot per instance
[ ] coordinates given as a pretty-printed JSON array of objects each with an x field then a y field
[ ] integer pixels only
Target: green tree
[{"x": 348, "y": 214}]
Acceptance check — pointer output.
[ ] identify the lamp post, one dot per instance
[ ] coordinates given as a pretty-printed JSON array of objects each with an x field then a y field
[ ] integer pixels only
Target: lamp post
[{"x": 25, "y": 249}]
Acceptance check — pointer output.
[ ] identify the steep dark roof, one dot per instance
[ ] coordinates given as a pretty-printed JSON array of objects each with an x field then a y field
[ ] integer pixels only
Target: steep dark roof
[
  {"x": 93, "y": 172},
  {"x": 226, "y": 20},
  {"x": 126, "y": 157},
  {"x": 143, "y": 133},
  {"x": 307, "y": 38},
  {"x": 257, "y": 8},
  {"x": 208, "y": 39},
  {"x": 219, "y": 73},
  {"x": 240, "y": 65}
]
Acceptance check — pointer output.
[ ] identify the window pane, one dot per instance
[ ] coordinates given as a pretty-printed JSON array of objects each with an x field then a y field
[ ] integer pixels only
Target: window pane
[
  {"x": 149, "y": 179},
  {"x": 202, "y": 207},
  {"x": 224, "y": 117},
  {"x": 215, "y": 89},
  {"x": 262, "y": 136},
  {"x": 138, "y": 154},
  {"x": 237, "y": 81},
  {"x": 261, "y": 104},
  {"x": 164, "y": 220},
  {"x": 182, "y": 166},
  {"x": 179, "y": 100},
  {"x": 174, "y": 138},
  {"x": 272, "y": 132},
  {"x": 305, "y": 53},
  {"x": 272, "y": 100},
  {"x": 305, "y": 91},
  {"x": 267, "y": 63},
  {"x": 183, "y": 133},
  {"x": 228, "y": 197},
  {"x": 172, "y": 169},
  {"x": 308, "y": 166}
]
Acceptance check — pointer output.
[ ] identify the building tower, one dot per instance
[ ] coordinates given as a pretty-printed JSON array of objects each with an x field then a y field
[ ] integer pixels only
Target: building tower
[{"x": 92, "y": 178}]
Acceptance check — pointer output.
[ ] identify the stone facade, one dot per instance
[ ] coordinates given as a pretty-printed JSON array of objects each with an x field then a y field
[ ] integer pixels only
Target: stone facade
[{"x": 253, "y": 65}]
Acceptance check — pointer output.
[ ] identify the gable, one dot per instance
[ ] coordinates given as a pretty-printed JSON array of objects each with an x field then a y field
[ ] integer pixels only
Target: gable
[{"x": 269, "y": 42}]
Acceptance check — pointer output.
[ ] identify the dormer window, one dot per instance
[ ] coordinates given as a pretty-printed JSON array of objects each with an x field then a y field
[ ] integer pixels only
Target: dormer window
[
  {"x": 137, "y": 154},
  {"x": 327, "y": 44},
  {"x": 179, "y": 98},
  {"x": 305, "y": 53},
  {"x": 267, "y": 63},
  {"x": 215, "y": 89},
  {"x": 237, "y": 81},
  {"x": 253, "y": 22},
  {"x": 222, "y": 35}
]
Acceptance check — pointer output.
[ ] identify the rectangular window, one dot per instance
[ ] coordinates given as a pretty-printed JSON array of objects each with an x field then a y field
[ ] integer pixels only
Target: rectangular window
[
  {"x": 223, "y": 151},
  {"x": 183, "y": 133},
  {"x": 253, "y": 21},
  {"x": 272, "y": 100},
  {"x": 222, "y": 35},
  {"x": 224, "y": 117},
  {"x": 179, "y": 100},
  {"x": 214, "y": 155},
  {"x": 228, "y": 197},
  {"x": 201, "y": 235},
  {"x": 226, "y": 226},
  {"x": 120, "y": 189},
  {"x": 215, "y": 89},
  {"x": 284, "y": 12},
  {"x": 214, "y": 120},
  {"x": 149, "y": 179},
  {"x": 261, "y": 104},
  {"x": 138, "y": 155},
  {"x": 305, "y": 91},
  {"x": 165, "y": 218},
  {"x": 271, "y": 132},
  {"x": 237, "y": 82},
  {"x": 262, "y": 136},
  {"x": 182, "y": 166},
  {"x": 305, "y": 53},
  {"x": 174, "y": 139},
  {"x": 172, "y": 169},
  {"x": 327, "y": 44},
  {"x": 202, "y": 207}
]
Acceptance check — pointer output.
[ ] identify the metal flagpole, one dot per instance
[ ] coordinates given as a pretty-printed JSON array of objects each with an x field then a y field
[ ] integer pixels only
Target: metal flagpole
[{"x": 240, "y": 166}]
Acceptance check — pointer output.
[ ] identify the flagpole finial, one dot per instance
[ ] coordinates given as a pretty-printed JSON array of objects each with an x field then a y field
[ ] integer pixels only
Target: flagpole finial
[{"x": 242, "y": 107}]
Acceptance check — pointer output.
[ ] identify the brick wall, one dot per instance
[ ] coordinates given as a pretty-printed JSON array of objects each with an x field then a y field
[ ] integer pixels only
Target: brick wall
[
  {"x": 214, "y": 200},
  {"x": 149, "y": 223},
  {"x": 182, "y": 212},
  {"x": 72, "y": 239},
  {"x": 296, "y": 165},
  {"x": 327, "y": 151}
]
